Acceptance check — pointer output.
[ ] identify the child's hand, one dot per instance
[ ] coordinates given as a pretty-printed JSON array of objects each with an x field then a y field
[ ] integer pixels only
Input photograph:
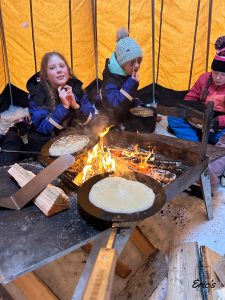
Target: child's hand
[
  {"x": 71, "y": 98},
  {"x": 214, "y": 125},
  {"x": 63, "y": 97},
  {"x": 135, "y": 75}
]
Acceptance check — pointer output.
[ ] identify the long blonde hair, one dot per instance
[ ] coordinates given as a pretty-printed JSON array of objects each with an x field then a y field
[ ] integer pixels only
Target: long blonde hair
[{"x": 53, "y": 94}]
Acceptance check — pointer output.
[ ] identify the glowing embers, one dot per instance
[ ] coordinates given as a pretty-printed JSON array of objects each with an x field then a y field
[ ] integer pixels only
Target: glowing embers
[{"x": 147, "y": 162}]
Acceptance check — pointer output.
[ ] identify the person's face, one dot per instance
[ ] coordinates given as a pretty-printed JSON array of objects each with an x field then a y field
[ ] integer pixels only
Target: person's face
[
  {"x": 131, "y": 65},
  {"x": 218, "y": 78},
  {"x": 57, "y": 72}
]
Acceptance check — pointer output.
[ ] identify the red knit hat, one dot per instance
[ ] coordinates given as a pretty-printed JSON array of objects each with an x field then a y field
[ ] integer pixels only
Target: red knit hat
[{"x": 218, "y": 63}]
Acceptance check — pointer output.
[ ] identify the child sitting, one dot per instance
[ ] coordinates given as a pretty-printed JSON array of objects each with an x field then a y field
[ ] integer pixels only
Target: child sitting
[
  {"x": 53, "y": 99},
  {"x": 209, "y": 87},
  {"x": 121, "y": 80}
]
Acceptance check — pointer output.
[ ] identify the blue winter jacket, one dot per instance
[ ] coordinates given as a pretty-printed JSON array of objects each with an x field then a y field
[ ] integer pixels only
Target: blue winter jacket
[
  {"x": 48, "y": 121},
  {"x": 118, "y": 91}
]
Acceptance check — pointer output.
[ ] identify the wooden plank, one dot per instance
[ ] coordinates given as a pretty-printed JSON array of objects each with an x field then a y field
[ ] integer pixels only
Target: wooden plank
[
  {"x": 50, "y": 201},
  {"x": 220, "y": 270},
  {"x": 122, "y": 270},
  {"x": 141, "y": 242},
  {"x": 13, "y": 291},
  {"x": 183, "y": 262},
  {"x": 4, "y": 295},
  {"x": 142, "y": 284},
  {"x": 210, "y": 259},
  {"x": 30, "y": 287}
]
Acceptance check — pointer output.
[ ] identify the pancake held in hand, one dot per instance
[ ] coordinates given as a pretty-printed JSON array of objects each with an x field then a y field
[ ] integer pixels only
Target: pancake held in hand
[
  {"x": 68, "y": 144},
  {"x": 119, "y": 195}
]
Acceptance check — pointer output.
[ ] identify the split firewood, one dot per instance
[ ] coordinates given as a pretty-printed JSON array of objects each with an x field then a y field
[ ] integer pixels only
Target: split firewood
[{"x": 50, "y": 201}]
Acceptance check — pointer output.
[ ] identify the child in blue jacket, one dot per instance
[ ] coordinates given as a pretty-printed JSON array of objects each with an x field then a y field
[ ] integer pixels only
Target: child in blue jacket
[
  {"x": 121, "y": 80},
  {"x": 56, "y": 101}
]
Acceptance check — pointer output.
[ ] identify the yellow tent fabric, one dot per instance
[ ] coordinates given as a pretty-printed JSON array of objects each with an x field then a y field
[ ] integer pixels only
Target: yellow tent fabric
[
  {"x": 3, "y": 80},
  {"x": 173, "y": 41}
]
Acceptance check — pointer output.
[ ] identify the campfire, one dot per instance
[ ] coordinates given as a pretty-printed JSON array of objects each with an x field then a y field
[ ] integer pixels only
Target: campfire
[
  {"x": 99, "y": 160},
  {"x": 109, "y": 159}
]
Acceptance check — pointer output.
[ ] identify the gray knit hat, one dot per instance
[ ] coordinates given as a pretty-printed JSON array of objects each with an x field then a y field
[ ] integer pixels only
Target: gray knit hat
[{"x": 126, "y": 47}]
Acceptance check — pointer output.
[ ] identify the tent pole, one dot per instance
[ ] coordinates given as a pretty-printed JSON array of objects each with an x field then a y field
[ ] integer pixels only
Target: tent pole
[
  {"x": 128, "y": 22},
  {"x": 5, "y": 54},
  {"x": 194, "y": 43},
  {"x": 94, "y": 18},
  {"x": 71, "y": 34},
  {"x": 153, "y": 53},
  {"x": 160, "y": 35},
  {"x": 33, "y": 40},
  {"x": 209, "y": 32}
]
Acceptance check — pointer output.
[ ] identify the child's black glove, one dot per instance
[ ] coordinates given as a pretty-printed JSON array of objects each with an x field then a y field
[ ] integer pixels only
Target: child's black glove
[
  {"x": 215, "y": 124},
  {"x": 21, "y": 128}
]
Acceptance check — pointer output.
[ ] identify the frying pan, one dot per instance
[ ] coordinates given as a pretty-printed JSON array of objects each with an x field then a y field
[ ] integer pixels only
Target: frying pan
[
  {"x": 143, "y": 119},
  {"x": 144, "y": 112},
  {"x": 94, "y": 139},
  {"x": 195, "y": 122},
  {"x": 101, "y": 279},
  {"x": 87, "y": 206}
]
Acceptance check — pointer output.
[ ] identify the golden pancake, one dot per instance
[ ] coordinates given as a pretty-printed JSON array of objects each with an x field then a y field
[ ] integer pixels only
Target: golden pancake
[
  {"x": 119, "y": 195},
  {"x": 68, "y": 144}
]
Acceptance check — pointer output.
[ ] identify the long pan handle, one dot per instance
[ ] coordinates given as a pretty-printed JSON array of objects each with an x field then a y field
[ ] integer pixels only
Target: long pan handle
[{"x": 100, "y": 282}]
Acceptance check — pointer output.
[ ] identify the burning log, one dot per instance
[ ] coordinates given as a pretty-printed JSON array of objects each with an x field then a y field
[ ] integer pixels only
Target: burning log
[
  {"x": 105, "y": 159},
  {"x": 146, "y": 162},
  {"x": 50, "y": 201}
]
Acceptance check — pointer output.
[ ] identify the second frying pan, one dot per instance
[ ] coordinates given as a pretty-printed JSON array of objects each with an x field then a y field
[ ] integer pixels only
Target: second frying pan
[{"x": 94, "y": 139}]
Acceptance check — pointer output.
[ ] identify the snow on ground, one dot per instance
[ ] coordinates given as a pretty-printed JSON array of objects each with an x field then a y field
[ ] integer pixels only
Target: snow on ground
[{"x": 184, "y": 219}]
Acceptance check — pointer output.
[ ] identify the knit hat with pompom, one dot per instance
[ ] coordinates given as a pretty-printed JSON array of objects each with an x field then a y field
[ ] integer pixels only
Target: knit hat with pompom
[
  {"x": 126, "y": 47},
  {"x": 218, "y": 63}
]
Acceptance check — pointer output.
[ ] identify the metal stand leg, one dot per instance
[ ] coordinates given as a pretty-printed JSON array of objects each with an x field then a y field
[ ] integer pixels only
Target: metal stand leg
[
  {"x": 207, "y": 193},
  {"x": 89, "y": 266},
  {"x": 120, "y": 242}
]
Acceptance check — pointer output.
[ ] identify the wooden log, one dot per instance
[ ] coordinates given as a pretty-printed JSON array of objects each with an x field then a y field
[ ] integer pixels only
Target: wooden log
[
  {"x": 4, "y": 295},
  {"x": 183, "y": 271},
  {"x": 143, "y": 283},
  {"x": 220, "y": 270},
  {"x": 210, "y": 259},
  {"x": 142, "y": 242},
  {"x": 50, "y": 201},
  {"x": 29, "y": 287}
]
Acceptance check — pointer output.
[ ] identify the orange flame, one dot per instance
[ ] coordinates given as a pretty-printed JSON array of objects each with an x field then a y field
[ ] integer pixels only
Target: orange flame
[
  {"x": 99, "y": 161},
  {"x": 102, "y": 134}
]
